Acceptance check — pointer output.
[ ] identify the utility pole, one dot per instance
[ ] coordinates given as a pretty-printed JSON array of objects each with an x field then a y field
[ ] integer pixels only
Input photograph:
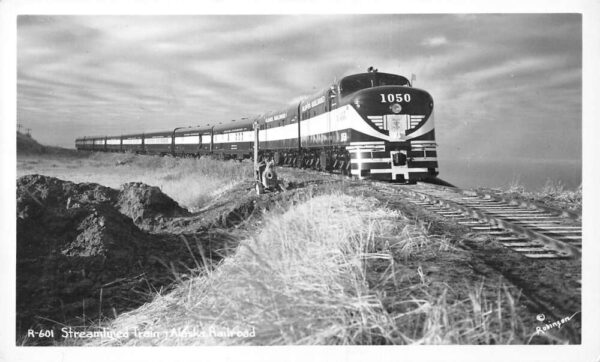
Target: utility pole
[{"x": 257, "y": 166}]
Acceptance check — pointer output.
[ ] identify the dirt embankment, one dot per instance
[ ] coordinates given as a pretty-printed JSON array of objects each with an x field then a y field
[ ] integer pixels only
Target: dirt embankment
[{"x": 85, "y": 251}]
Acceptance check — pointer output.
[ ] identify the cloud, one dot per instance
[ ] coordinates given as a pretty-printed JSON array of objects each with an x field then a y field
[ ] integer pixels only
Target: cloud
[
  {"x": 510, "y": 76},
  {"x": 435, "y": 41}
]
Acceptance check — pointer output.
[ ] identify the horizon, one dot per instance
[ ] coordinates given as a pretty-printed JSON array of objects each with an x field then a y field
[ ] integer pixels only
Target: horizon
[{"x": 516, "y": 80}]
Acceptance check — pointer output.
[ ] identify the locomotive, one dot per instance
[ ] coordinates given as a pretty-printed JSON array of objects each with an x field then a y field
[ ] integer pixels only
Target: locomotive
[{"x": 369, "y": 125}]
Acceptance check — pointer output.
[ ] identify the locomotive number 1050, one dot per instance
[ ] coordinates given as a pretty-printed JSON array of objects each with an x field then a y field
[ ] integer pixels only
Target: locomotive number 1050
[{"x": 398, "y": 97}]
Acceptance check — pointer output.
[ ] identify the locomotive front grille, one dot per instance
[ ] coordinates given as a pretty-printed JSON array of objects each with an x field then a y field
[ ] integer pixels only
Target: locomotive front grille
[
  {"x": 377, "y": 120},
  {"x": 384, "y": 122}
]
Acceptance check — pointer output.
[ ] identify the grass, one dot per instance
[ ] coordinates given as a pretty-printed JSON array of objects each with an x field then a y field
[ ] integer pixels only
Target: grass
[
  {"x": 472, "y": 320},
  {"x": 189, "y": 181},
  {"x": 553, "y": 191},
  {"x": 307, "y": 279},
  {"x": 333, "y": 269}
]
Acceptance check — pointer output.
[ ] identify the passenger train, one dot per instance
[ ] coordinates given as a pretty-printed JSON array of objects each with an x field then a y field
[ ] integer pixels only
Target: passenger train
[{"x": 369, "y": 125}]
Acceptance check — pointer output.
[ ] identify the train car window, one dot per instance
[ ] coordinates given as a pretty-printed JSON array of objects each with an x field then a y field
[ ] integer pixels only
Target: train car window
[
  {"x": 391, "y": 79},
  {"x": 352, "y": 84}
]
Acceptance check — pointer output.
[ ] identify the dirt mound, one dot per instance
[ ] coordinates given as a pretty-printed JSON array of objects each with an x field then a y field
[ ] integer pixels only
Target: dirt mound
[
  {"x": 146, "y": 205},
  {"x": 36, "y": 193},
  {"x": 80, "y": 258}
]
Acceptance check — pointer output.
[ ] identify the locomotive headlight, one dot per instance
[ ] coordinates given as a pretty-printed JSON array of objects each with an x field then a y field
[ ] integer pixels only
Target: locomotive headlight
[{"x": 396, "y": 108}]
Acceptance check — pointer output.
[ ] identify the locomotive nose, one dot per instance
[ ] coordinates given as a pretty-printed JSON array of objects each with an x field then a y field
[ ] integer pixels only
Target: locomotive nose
[{"x": 393, "y": 100}]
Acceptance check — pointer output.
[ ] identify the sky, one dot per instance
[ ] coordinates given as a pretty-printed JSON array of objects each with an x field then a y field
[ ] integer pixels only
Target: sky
[{"x": 507, "y": 87}]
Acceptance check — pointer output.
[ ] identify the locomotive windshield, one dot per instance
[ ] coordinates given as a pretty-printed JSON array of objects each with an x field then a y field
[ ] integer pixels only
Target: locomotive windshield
[{"x": 357, "y": 82}]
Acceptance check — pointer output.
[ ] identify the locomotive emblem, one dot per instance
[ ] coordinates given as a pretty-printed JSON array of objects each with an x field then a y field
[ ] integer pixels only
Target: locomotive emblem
[{"x": 397, "y": 125}]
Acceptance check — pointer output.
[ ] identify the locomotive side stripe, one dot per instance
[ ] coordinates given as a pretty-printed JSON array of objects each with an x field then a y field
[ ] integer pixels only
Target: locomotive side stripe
[
  {"x": 423, "y": 142},
  {"x": 369, "y": 155},
  {"x": 345, "y": 118},
  {"x": 341, "y": 118},
  {"x": 370, "y": 160},
  {"x": 375, "y": 143},
  {"x": 419, "y": 159},
  {"x": 366, "y": 148},
  {"x": 409, "y": 170}
]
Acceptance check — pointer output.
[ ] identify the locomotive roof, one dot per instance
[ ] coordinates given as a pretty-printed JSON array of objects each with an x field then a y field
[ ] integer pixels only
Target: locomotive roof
[
  {"x": 375, "y": 76},
  {"x": 372, "y": 74}
]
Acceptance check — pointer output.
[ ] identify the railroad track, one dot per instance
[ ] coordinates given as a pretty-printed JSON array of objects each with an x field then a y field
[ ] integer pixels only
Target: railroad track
[{"x": 531, "y": 229}]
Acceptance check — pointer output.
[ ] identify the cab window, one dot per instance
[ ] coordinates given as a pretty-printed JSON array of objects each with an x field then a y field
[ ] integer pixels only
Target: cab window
[{"x": 354, "y": 83}]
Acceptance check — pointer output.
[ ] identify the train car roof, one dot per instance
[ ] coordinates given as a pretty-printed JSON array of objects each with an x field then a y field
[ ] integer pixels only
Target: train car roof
[
  {"x": 192, "y": 130},
  {"x": 245, "y": 124},
  {"x": 133, "y": 135},
  {"x": 158, "y": 134}
]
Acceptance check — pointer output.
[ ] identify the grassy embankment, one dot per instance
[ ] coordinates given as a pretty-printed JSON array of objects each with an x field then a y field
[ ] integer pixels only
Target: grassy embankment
[
  {"x": 305, "y": 280},
  {"x": 552, "y": 190},
  {"x": 190, "y": 182},
  {"x": 553, "y": 193}
]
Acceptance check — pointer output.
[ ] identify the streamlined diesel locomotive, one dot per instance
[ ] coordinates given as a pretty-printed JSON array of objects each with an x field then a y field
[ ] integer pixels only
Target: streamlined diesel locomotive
[{"x": 369, "y": 125}]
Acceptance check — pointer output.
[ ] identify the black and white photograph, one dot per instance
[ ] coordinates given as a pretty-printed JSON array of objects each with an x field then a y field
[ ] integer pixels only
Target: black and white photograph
[{"x": 369, "y": 181}]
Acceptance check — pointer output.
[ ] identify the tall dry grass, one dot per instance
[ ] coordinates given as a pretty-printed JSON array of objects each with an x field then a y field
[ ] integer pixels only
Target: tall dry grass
[
  {"x": 190, "y": 181},
  {"x": 304, "y": 280},
  {"x": 553, "y": 191}
]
